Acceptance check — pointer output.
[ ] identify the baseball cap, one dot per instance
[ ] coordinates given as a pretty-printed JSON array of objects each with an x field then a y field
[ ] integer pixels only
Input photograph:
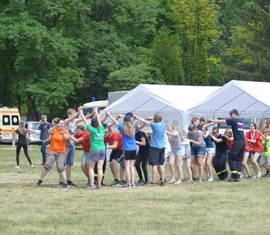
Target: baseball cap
[
  {"x": 235, "y": 111},
  {"x": 94, "y": 120},
  {"x": 192, "y": 127},
  {"x": 128, "y": 116}
]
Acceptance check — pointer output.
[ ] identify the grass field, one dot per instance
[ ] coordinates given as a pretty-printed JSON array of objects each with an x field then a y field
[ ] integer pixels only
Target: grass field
[{"x": 188, "y": 208}]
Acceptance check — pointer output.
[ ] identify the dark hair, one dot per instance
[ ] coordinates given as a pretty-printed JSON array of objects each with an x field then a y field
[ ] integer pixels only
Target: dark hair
[
  {"x": 254, "y": 124},
  {"x": 215, "y": 128}
]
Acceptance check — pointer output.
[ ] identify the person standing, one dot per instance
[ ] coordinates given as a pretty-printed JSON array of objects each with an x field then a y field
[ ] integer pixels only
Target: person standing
[
  {"x": 222, "y": 151},
  {"x": 198, "y": 148},
  {"x": 157, "y": 148},
  {"x": 129, "y": 146},
  {"x": 44, "y": 126},
  {"x": 176, "y": 154},
  {"x": 142, "y": 155},
  {"x": 57, "y": 153},
  {"x": 97, "y": 149},
  {"x": 114, "y": 142},
  {"x": 82, "y": 136},
  {"x": 255, "y": 147},
  {"x": 235, "y": 157},
  {"x": 23, "y": 139}
]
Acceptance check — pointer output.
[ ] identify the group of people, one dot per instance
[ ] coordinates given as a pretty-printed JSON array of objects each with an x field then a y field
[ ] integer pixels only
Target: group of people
[{"x": 130, "y": 149}]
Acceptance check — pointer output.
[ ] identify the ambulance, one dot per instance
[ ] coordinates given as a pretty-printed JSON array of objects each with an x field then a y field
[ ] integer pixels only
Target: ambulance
[{"x": 9, "y": 122}]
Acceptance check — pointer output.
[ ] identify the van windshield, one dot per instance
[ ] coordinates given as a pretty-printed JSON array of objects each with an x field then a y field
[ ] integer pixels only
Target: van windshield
[
  {"x": 90, "y": 110},
  {"x": 246, "y": 122}
]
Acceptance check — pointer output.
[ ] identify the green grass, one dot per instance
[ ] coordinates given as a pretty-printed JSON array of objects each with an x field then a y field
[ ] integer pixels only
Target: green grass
[{"x": 196, "y": 208}]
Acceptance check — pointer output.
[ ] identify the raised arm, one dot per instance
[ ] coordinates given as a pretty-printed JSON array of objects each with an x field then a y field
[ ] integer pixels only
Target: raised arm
[
  {"x": 83, "y": 117},
  {"x": 142, "y": 120},
  {"x": 112, "y": 118}
]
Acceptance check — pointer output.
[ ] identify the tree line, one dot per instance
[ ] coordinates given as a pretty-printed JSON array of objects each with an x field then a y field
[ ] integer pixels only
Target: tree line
[{"x": 59, "y": 54}]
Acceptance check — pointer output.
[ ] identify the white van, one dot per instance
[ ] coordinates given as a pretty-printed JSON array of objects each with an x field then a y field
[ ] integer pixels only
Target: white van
[
  {"x": 99, "y": 105},
  {"x": 9, "y": 122}
]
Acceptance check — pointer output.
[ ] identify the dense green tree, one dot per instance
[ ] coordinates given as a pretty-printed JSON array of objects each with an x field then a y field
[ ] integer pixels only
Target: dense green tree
[
  {"x": 248, "y": 57},
  {"x": 196, "y": 23},
  {"x": 166, "y": 55}
]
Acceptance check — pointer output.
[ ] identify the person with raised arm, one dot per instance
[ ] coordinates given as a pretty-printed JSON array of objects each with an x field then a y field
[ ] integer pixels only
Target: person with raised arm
[
  {"x": 129, "y": 146},
  {"x": 97, "y": 149},
  {"x": 235, "y": 157},
  {"x": 57, "y": 153},
  {"x": 157, "y": 148}
]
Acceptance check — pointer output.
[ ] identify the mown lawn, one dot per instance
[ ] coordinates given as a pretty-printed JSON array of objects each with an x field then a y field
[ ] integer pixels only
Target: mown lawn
[{"x": 188, "y": 208}]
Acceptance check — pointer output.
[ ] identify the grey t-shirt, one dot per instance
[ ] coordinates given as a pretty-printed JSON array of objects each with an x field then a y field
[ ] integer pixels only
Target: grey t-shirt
[{"x": 174, "y": 142}]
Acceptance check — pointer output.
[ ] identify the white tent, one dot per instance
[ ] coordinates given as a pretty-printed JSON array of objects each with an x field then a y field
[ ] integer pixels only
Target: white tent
[
  {"x": 170, "y": 101},
  {"x": 251, "y": 99}
]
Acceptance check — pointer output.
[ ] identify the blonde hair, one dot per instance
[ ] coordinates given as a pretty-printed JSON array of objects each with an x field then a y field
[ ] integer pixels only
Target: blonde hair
[
  {"x": 128, "y": 128},
  {"x": 22, "y": 130},
  {"x": 183, "y": 133},
  {"x": 171, "y": 124},
  {"x": 228, "y": 131},
  {"x": 43, "y": 116},
  {"x": 71, "y": 111}
]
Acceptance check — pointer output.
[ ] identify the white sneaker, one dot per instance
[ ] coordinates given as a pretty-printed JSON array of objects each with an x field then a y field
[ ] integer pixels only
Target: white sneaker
[
  {"x": 210, "y": 179},
  {"x": 259, "y": 174},
  {"x": 206, "y": 177},
  {"x": 255, "y": 176},
  {"x": 242, "y": 176},
  {"x": 32, "y": 166},
  {"x": 16, "y": 167}
]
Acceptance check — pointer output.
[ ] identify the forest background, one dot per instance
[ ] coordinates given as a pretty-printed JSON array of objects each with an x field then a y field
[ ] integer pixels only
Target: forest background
[{"x": 56, "y": 54}]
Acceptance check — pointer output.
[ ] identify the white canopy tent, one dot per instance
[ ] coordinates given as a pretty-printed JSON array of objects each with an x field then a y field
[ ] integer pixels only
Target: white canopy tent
[
  {"x": 251, "y": 99},
  {"x": 170, "y": 101}
]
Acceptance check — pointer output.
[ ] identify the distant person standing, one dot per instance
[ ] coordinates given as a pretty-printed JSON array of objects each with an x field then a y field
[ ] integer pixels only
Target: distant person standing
[
  {"x": 235, "y": 157},
  {"x": 44, "y": 126},
  {"x": 22, "y": 142}
]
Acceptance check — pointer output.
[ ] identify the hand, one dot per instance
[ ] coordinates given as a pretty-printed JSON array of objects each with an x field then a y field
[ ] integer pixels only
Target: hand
[
  {"x": 120, "y": 115},
  {"x": 80, "y": 108},
  {"x": 108, "y": 112}
]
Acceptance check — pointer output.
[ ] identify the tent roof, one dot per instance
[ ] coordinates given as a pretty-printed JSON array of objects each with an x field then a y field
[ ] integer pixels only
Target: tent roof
[
  {"x": 161, "y": 98},
  {"x": 251, "y": 99}
]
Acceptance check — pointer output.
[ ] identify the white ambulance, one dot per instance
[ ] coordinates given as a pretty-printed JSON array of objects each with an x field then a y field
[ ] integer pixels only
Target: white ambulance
[{"x": 9, "y": 122}]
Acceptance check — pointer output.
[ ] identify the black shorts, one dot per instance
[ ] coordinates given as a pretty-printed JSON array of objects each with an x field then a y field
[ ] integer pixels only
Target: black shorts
[
  {"x": 116, "y": 155},
  {"x": 156, "y": 156},
  {"x": 130, "y": 155}
]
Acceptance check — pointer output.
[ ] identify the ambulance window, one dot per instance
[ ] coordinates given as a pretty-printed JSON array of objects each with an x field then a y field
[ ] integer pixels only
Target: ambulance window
[
  {"x": 15, "y": 120},
  {"x": 6, "y": 120}
]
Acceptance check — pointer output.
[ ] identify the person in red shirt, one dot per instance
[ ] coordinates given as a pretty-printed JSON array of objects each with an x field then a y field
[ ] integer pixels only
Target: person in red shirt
[
  {"x": 114, "y": 142},
  {"x": 82, "y": 136},
  {"x": 245, "y": 167},
  {"x": 255, "y": 147}
]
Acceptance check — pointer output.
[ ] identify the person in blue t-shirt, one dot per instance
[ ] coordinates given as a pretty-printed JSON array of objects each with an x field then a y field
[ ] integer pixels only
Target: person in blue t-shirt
[
  {"x": 157, "y": 147},
  {"x": 129, "y": 146},
  {"x": 235, "y": 157}
]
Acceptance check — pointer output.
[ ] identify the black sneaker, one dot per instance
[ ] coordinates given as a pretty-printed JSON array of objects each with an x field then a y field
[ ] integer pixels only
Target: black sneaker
[
  {"x": 66, "y": 186},
  {"x": 161, "y": 184},
  {"x": 69, "y": 182},
  {"x": 38, "y": 183},
  {"x": 248, "y": 177},
  {"x": 116, "y": 183},
  {"x": 60, "y": 185}
]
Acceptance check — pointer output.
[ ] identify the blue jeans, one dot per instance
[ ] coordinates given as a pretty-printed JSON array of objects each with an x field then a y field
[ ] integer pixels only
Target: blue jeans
[{"x": 43, "y": 149}]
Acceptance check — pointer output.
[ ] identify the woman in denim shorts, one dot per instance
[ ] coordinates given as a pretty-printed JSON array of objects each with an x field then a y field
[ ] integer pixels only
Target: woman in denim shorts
[{"x": 198, "y": 148}]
